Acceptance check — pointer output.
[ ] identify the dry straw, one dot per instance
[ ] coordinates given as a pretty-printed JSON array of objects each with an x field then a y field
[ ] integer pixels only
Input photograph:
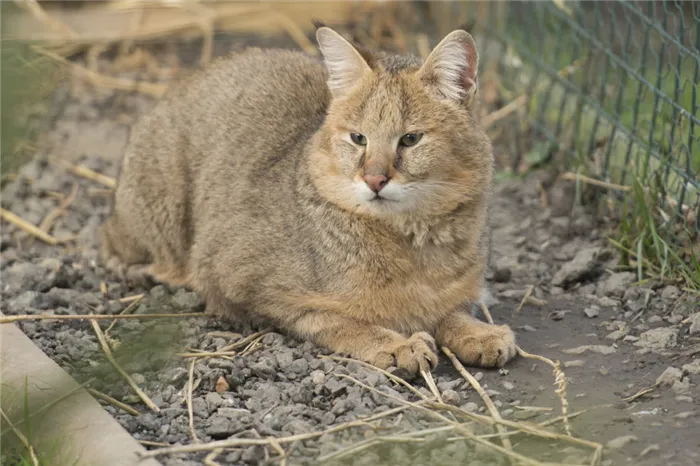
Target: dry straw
[{"x": 108, "y": 354}]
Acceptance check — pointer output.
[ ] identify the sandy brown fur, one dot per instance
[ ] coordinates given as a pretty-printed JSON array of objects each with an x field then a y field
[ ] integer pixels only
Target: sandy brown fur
[{"x": 240, "y": 185}]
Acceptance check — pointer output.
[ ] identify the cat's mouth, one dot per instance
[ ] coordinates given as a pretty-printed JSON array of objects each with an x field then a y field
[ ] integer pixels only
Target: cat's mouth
[{"x": 381, "y": 199}]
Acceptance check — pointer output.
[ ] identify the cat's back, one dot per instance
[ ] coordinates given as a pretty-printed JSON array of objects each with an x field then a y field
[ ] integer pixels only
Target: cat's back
[{"x": 254, "y": 94}]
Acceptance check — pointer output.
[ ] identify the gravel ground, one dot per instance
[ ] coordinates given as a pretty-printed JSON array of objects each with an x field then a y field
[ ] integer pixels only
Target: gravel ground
[{"x": 614, "y": 339}]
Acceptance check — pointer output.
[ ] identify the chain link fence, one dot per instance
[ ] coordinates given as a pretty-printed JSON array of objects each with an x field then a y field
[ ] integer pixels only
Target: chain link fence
[{"x": 613, "y": 84}]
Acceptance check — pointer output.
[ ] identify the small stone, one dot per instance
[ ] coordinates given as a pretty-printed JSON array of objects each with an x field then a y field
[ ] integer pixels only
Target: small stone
[
  {"x": 575, "y": 363},
  {"x": 175, "y": 375},
  {"x": 620, "y": 442},
  {"x": 139, "y": 379},
  {"x": 451, "y": 397},
  {"x": 264, "y": 368},
  {"x": 692, "y": 368},
  {"x": 669, "y": 376},
  {"x": 213, "y": 400},
  {"x": 654, "y": 320},
  {"x": 513, "y": 294},
  {"x": 670, "y": 293},
  {"x": 253, "y": 455},
  {"x": 615, "y": 335},
  {"x": 23, "y": 302},
  {"x": 651, "y": 448},
  {"x": 318, "y": 377},
  {"x": 658, "y": 339},
  {"x": 299, "y": 366},
  {"x": 242, "y": 415},
  {"x": 471, "y": 407},
  {"x": 284, "y": 358},
  {"x": 592, "y": 312},
  {"x": 558, "y": 315},
  {"x": 694, "y": 324},
  {"x": 187, "y": 299},
  {"x": 686, "y": 414},
  {"x": 221, "y": 385},
  {"x": 677, "y": 318},
  {"x": 199, "y": 407},
  {"x": 630, "y": 338},
  {"x": 602, "y": 349},
  {"x": 508, "y": 385},
  {"x": 681, "y": 387},
  {"x": 608, "y": 302},
  {"x": 582, "y": 267},
  {"x": 617, "y": 283},
  {"x": 527, "y": 328}
]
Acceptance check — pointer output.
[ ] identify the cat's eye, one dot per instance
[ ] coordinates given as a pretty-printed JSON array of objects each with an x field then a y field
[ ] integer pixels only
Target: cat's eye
[
  {"x": 358, "y": 139},
  {"x": 410, "y": 139}
]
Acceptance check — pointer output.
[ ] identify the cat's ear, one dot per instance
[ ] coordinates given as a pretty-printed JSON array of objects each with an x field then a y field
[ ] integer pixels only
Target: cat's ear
[
  {"x": 451, "y": 67},
  {"x": 344, "y": 63}
]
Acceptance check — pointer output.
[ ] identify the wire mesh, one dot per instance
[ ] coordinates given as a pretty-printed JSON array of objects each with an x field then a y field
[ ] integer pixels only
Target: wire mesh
[{"x": 612, "y": 84}]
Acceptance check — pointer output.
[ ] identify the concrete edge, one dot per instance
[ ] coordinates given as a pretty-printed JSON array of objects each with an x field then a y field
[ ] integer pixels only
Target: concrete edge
[{"x": 76, "y": 430}]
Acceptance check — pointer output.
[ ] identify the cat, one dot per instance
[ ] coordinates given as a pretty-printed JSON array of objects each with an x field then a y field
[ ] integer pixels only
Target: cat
[{"x": 343, "y": 200}]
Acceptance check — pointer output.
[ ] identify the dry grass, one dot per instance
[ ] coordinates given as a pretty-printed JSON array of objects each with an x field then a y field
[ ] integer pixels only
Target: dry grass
[
  {"x": 108, "y": 354},
  {"x": 32, "y": 230}
]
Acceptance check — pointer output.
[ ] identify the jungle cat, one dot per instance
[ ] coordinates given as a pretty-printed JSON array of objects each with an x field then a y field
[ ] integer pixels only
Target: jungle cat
[{"x": 342, "y": 200}]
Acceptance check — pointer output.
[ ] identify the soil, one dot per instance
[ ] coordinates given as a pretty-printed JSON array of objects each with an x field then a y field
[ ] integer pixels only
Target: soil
[{"x": 613, "y": 337}]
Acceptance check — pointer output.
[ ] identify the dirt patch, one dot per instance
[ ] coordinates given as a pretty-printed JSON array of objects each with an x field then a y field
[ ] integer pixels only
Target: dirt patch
[{"x": 614, "y": 338}]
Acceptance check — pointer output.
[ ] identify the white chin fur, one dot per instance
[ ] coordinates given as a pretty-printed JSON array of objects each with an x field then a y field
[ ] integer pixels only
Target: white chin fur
[
  {"x": 362, "y": 191},
  {"x": 391, "y": 192}
]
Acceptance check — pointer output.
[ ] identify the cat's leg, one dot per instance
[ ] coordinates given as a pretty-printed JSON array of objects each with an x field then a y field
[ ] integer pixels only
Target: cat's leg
[
  {"x": 474, "y": 342},
  {"x": 376, "y": 345}
]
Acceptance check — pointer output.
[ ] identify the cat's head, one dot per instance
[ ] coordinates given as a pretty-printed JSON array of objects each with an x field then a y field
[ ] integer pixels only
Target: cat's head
[{"x": 401, "y": 136}]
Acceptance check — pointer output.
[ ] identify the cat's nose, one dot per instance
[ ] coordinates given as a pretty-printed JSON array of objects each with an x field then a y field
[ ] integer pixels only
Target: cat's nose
[{"x": 376, "y": 182}]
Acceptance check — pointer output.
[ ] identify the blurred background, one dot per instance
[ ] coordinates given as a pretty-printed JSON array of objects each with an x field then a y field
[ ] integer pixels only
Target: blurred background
[{"x": 604, "y": 90}]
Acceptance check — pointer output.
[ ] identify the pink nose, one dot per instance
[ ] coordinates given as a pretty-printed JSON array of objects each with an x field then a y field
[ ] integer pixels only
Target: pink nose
[{"x": 376, "y": 182}]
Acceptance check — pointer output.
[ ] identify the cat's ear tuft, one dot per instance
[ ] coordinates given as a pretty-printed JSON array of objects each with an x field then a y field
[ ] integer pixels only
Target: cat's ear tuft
[
  {"x": 344, "y": 63},
  {"x": 451, "y": 68}
]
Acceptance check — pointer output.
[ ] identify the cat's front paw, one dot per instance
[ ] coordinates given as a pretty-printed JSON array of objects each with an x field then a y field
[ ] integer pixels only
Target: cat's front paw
[
  {"x": 485, "y": 345},
  {"x": 409, "y": 354}
]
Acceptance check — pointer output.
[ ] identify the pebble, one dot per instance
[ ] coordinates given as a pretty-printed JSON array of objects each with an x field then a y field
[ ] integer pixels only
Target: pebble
[
  {"x": 583, "y": 266},
  {"x": 299, "y": 366},
  {"x": 621, "y": 442},
  {"x": 692, "y": 368},
  {"x": 592, "y": 312},
  {"x": 318, "y": 377},
  {"x": 508, "y": 385},
  {"x": 617, "y": 283},
  {"x": 670, "y": 293},
  {"x": 658, "y": 339},
  {"x": 669, "y": 376},
  {"x": 615, "y": 335},
  {"x": 694, "y": 324},
  {"x": 602, "y": 349},
  {"x": 451, "y": 397},
  {"x": 558, "y": 315},
  {"x": 214, "y": 400},
  {"x": 471, "y": 407}
]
